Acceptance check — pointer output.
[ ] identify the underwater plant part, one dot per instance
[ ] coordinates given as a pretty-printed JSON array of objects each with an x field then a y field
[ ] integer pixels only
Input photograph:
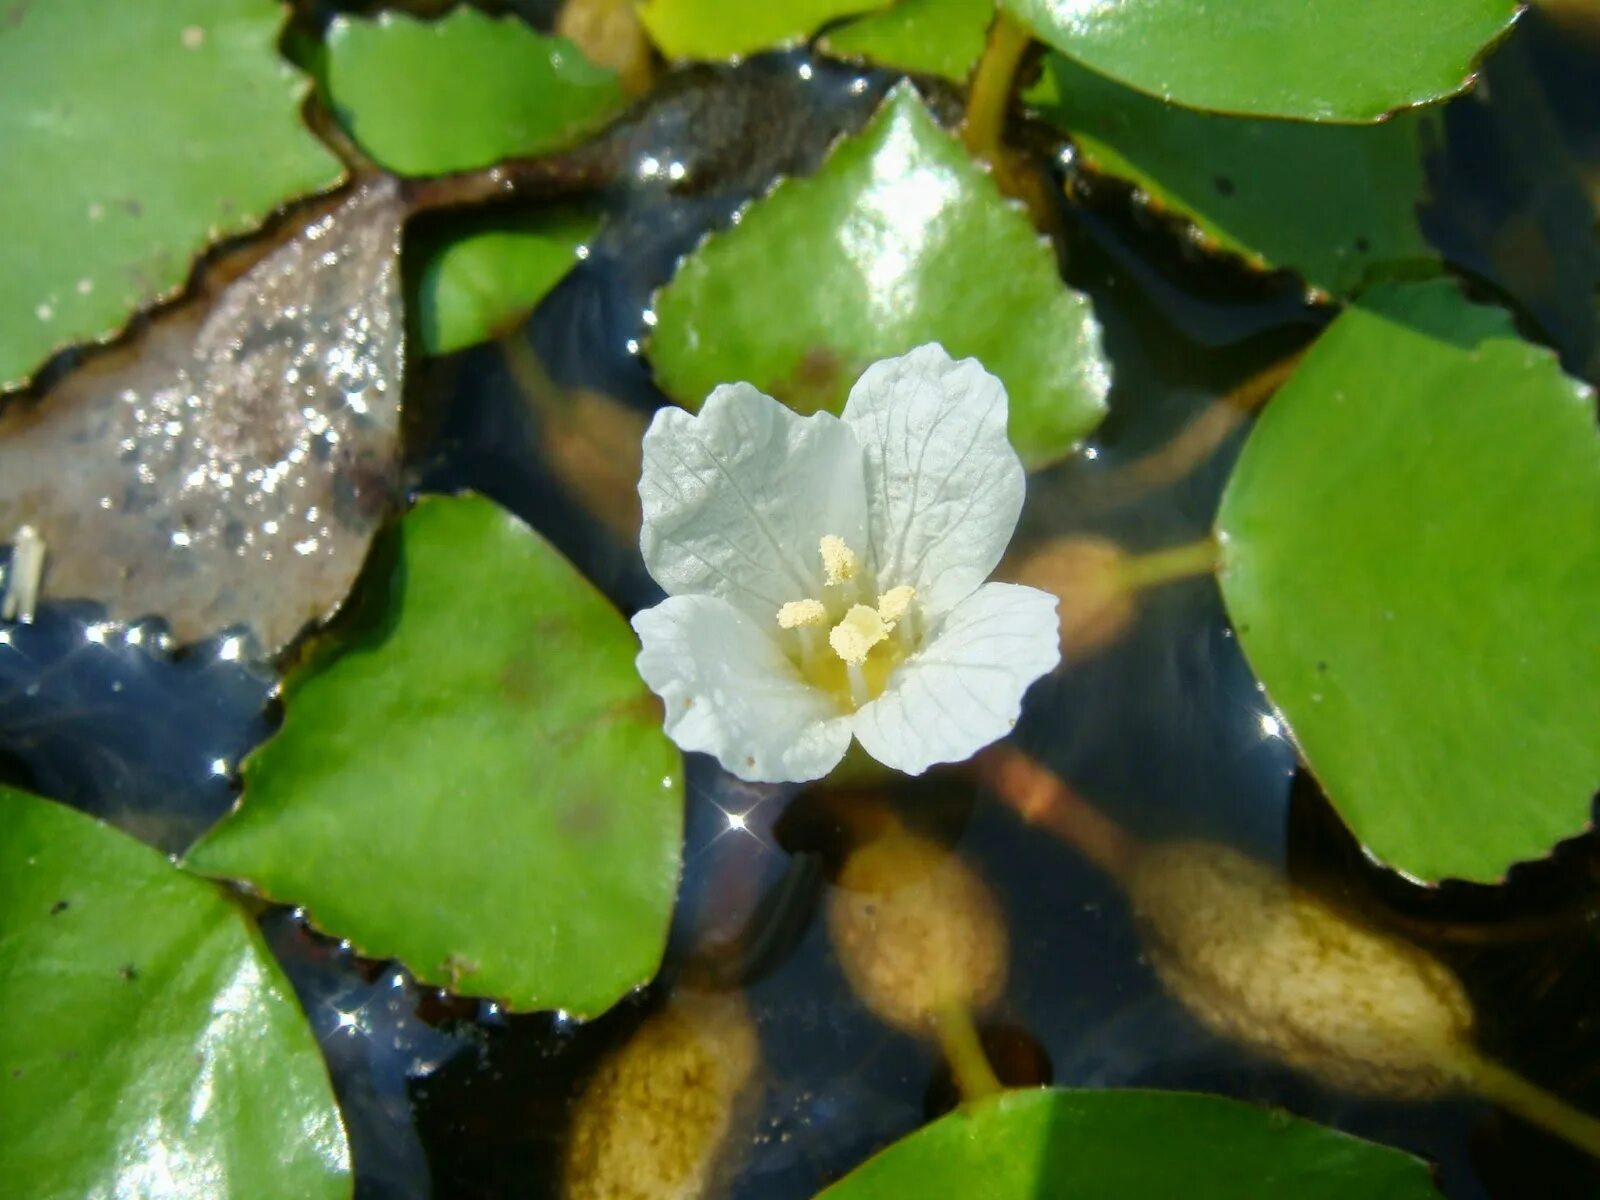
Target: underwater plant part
[
  {"x": 825, "y": 575},
  {"x": 1278, "y": 969},
  {"x": 915, "y": 929},
  {"x": 1098, "y": 583},
  {"x": 922, "y": 941},
  {"x": 652, "y": 1120},
  {"x": 1275, "y": 968},
  {"x": 229, "y": 466}
]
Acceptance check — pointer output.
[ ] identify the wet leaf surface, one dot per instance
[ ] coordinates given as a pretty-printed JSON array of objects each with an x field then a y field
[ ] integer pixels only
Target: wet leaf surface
[
  {"x": 155, "y": 1049},
  {"x": 714, "y": 29},
  {"x": 464, "y": 91},
  {"x": 1337, "y": 203},
  {"x": 1421, "y": 604},
  {"x": 477, "y": 786},
  {"x": 1122, "y": 1145},
  {"x": 892, "y": 243},
  {"x": 1324, "y": 60},
  {"x": 229, "y": 466},
  {"x": 476, "y": 285},
  {"x": 134, "y": 136},
  {"x": 929, "y": 37}
]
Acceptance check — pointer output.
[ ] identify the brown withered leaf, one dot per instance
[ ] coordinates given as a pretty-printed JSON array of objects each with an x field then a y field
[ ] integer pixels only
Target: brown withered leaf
[{"x": 229, "y": 466}]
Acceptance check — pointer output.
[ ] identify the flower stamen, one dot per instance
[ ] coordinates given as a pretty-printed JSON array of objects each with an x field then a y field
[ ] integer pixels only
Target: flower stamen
[
  {"x": 797, "y": 613},
  {"x": 895, "y": 603},
  {"x": 854, "y": 637},
  {"x": 838, "y": 560}
]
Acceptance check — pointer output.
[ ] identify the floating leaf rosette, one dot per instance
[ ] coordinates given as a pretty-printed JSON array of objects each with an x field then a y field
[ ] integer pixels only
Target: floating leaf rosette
[
  {"x": 478, "y": 785},
  {"x": 1411, "y": 557},
  {"x": 892, "y": 243},
  {"x": 154, "y": 1047}
]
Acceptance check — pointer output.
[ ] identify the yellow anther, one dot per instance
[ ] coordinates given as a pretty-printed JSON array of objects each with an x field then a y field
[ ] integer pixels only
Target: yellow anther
[
  {"x": 838, "y": 560},
  {"x": 802, "y": 612},
  {"x": 858, "y": 633},
  {"x": 895, "y": 603}
]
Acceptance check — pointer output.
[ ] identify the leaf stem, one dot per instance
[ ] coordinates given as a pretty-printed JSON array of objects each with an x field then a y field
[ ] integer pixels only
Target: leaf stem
[
  {"x": 963, "y": 1049},
  {"x": 1040, "y": 798},
  {"x": 1199, "y": 439},
  {"x": 1142, "y": 571},
  {"x": 992, "y": 83},
  {"x": 1515, "y": 1094}
]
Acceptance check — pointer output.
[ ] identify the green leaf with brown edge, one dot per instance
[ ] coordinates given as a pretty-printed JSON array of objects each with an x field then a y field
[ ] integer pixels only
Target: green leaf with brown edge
[
  {"x": 1315, "y": 60},
  {"x": 477, "y": 783},
  {"x": 897, "y": 240},
  {"x": 1411, "y": 557},
  {"x": 710, "y": 29},
  {"x": 1128, "y": 1144},
  {"x": 1337, "y": 203},
  {"x": 134, "y": 136},
  {"x": 475, "y": 283},
  {"x": 927, "y": 37},
  {"x": 463, "y": 91},
  {"x": 153, "y": 1045}
]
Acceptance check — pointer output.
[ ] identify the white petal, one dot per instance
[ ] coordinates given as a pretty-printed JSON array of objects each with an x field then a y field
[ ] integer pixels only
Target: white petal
[
  {"x": 944, "y": 486},
  {"x": 738, "y": 498},
  {"x": 964, "y": 688},
  {"x": 729, "y": 691}
]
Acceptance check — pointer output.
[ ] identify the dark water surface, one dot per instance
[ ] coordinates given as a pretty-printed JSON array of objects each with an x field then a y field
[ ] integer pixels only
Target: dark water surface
[{"x": 1166, "y": 730}]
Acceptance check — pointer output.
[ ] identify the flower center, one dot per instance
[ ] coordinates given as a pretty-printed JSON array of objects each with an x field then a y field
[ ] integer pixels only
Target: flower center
[{"x": 864, "y": 642}]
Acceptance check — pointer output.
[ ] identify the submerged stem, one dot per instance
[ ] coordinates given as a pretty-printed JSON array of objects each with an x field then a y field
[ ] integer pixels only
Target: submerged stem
[
  {"x": 1166, "y": 566},
  {"x": 1515, "y": 1094},
  {"x": 1039, "y": 798},
  {"x": 963, "y": 1049},
  {"x": 1198, "y": 440}
]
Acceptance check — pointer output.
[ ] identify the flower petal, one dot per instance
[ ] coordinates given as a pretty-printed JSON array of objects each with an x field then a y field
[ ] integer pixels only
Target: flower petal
[
  {"x": 964, "y": 688},
  {"x": 944, "y": 486},
  {"x": 729, "y": 691},
  {"x": 737, "y": 499}
]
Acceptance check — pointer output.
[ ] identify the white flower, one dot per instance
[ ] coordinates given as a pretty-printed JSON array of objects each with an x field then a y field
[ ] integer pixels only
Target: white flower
[{"x": 825, "y": 576}]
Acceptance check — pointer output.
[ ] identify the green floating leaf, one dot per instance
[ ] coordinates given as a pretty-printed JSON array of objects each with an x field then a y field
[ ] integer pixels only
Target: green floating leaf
[
  {"x": 479, "y": 786},
  {"x": 152, "y": 1046},
  {"x": 1412, "y": 561},
  {"x": 1131, "y": 1145},
  {"x": 133, "y": 136},
  {"x": 717, "y": 29},
  {"x": 1337, "y": 203},
  {"x": 929, "y": 37},
  {"x": 465, "y": 91},
  {"x": 473, "y": 286},
  {"x": 1320, "y": 60},
  {"x": 899, "y": 239}
]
